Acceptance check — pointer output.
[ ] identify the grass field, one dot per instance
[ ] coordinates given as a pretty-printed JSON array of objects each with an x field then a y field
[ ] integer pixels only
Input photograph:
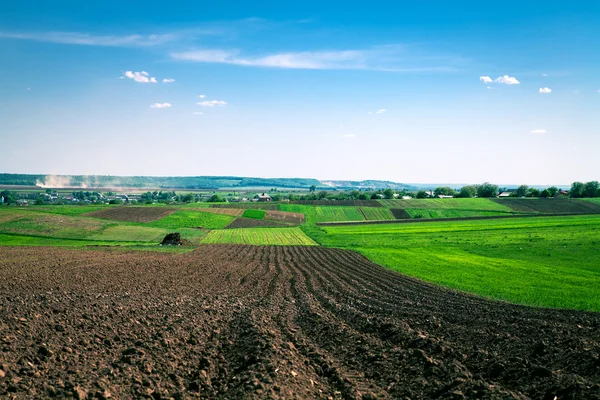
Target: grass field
[
  {"x": 376, "y": 213},
  {"x": 254, "y": 214},
  {"x": 260, "y": 236},
  {"x": 545, "y": 261},
  {"x": 193, "y": 219},
  {"x": 430, "y": 213}
]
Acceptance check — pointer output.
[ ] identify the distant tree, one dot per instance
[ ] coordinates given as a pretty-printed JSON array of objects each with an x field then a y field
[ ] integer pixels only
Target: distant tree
[
  {"x": 321, "y": 195},
  {"x": 444, "y": 191},
  {"x": 115, "y": 201},
  {"x": 532, "y": 192},
  {"x": 545, "y": 193},
  {"x": 363, "y": 196},
  {"x": 374, "y": 196},
  {"x": 276, "y": 197},
  {"x": 188, "y": 198},
  {"x": 521, "y": 191},
  {"x": 486, "y": 189},
  {"x": 215, "y": 198},
  {"x": 552, "y": 190},
  {"x": 577, "y": 189},
  {"x": 591, "y": 189},
  {"x": 39, "y": 201},
  {"x": 312, "y": 188},
  {"x": 48, "y": 191},
  {"x": 467, "y": 192},
  {"x": 388, "y": 194},
  {"x": 354, "y": 194},
  {"x": 421, "y": 194}
]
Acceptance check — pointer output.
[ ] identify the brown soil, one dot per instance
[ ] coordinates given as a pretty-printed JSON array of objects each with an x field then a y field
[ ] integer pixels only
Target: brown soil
[
  {"x": 228, "y": 321},
  {"x": 252, "y": 223},
  {"x": 291, "y": 218},
  {"x": 132, "y": 214}
]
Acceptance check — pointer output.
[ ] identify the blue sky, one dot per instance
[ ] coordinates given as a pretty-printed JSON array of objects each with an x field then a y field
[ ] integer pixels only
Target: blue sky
[{"x": 428, "y": 91}]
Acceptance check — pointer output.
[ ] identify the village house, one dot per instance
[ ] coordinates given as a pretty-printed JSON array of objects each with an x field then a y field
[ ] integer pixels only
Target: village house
[{"x": 262, "y": 197}]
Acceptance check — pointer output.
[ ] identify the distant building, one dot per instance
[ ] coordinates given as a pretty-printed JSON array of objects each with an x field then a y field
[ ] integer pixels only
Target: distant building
[
  {"x": 443, "y": 196},
  {"x": 262, "y": 197},
  {"x": 505, "y": 194}
]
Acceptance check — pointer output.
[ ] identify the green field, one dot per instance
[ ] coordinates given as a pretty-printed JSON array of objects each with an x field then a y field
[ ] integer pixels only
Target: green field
[
  {"x": 542, "y": 261},
  {"x": 260, "y": 236},
  {"x": 254, "y": 214},
  {"x": 376, "y": 213},
  {"x": 192, "y": 219},
  {"x": 430, "y": 213}
]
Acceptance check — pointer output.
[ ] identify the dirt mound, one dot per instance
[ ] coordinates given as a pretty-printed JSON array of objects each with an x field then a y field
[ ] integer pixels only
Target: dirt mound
[
  {"x": 172, "y": 239},
  {"x": 132, "y": 214},
  {"x": 230, "y": 321}
]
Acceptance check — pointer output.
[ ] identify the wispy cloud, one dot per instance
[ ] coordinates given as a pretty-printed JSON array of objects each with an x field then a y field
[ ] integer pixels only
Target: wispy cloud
[
  {"x": 168, "y": 80},
  {"x": 348, "y": 136},
  {"x": 380, "y": 111},
  {"x": 87, "y": 39},
  {"x": 198, "y": 113},
  {"x": 202, "y": 96},
  {"x": 392, "y": 58},
  {"x": 212, "y": 103},
  {"x": 545, "y": 90},
  {"x": 539, "y": 131},
  {"x": 141, "y": 77},
  {"x": 161, "y": 105},
  {"x": 507, "y": 80}
]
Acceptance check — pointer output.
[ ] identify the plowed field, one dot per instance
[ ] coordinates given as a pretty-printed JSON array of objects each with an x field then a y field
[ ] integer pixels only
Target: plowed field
[
  {"x": 230, "y": 321},
  {"x": 132, "y": 214}
]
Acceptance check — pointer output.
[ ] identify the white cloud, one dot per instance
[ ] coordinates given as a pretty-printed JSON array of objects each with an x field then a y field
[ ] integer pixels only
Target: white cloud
[
  {"x": 348, "y": 136},
  {"x": 202, "y": 96},
  {"x": 86, "y": 39},
  {"x": 197, "y": 113},
  {"x": 380, "y": 111},
  {"x": 507, "y": 80},
  {"x": 485, "y": 79},
  {"x": 539, "y": 131},
  {"x": 544, "y": 74},
  {"x": 212, "y": 103},
  {"x": 142, "y": 77},
  {"x": 392, "y": 58},
  {"x": 161, "y": 105},
  {"x": 545, "y": 90},
  {"x": 168, "y": 80}
]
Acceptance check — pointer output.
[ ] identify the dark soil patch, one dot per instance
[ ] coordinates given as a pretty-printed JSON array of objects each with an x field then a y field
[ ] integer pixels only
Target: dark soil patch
[
  {"x": 400, "y": 213},
  {"x": 132, "y": 214},
  {"x": 252, "y": 223},
  {"x": 227, "y": 321}
]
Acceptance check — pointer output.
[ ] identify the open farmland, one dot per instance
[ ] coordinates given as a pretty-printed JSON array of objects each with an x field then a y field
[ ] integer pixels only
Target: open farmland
[
  {"x": 185, "y": 218},
  {"x": 230, "y": 321},
  {"x": 285, "y": 217},
  {"x": 448, "y": 204},
  {"x": 236, "y": 212},
  {"x": 550, "y": 206},
  {"x": 260, "y": 236},
  {"x": 541, "y": 261},
  {"x": 132, "y": 214},
  {"x": 254, "y": 214}
]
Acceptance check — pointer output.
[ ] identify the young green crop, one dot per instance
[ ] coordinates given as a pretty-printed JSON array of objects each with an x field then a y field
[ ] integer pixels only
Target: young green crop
[
  {"x": 260, "y": 236},
  {"x": 254, "y": 214},
  {"x": 541, "y": 261}
]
